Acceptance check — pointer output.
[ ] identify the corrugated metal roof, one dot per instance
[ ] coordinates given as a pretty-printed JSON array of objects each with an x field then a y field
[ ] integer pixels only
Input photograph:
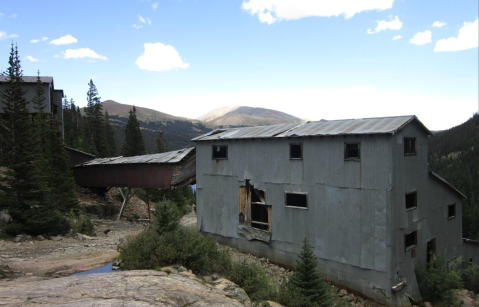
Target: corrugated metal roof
[
  {"x": 29, "y": 79},
  {"x": 380, "y": 125},
  {"x": 166, "y": 157}
]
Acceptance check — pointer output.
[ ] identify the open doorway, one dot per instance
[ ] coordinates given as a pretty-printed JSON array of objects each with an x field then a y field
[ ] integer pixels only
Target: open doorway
[{"x": 254, "y": 211}]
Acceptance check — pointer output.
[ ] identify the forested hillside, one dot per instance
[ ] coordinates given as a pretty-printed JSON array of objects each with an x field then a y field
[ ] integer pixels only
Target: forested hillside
[
  {"x": 454, "y": 154},
  {"x": 177, "y": 133}
]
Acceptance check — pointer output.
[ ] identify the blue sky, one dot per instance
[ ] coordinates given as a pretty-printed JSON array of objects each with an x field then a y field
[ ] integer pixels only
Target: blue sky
[{"x": 312, "y": 59}]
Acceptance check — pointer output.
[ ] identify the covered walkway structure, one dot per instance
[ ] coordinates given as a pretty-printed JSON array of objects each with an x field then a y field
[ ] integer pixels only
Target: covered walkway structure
[{"x": 168, "y": 170}]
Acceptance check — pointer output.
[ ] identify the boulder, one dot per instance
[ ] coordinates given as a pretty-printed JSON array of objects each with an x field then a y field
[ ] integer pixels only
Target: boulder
[
  {"x": 466, "y": 298},
  {"x": 20, "y": 238},
  {"x": 427, "y": 304},
  {"x": 56, "y": 238},
  {"x": 342, "y": 293},
  {"x": 5, "y": 218},
  {"x": 231, "y": 289},
  {"x": 82, "y": 237},
  {"x": 40, "y": 238}
]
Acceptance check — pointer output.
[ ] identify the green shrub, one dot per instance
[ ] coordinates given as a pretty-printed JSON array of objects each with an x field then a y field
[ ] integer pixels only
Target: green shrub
[
  {"x": 470, "y": 277},
  {"x": 436, "y": 281},
  {"x": 252, "y": 279},
  {"x": 80, "y": 224},
  {"x": 139, "y": 251},
  {"x": 166, "y": 218}
]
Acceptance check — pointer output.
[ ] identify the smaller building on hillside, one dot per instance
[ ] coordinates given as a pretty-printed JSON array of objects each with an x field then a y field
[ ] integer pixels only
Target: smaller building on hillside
[
  {"x": 360, "y": 189},
  {"x": 53, "y": 97}
]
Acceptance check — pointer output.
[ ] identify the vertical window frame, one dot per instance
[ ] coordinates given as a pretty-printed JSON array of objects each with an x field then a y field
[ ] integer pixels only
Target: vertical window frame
[
  {"x": 408, "y": 141},
  {"x": 449, "y": 216},
  {"x": 415, "y": 200},
  {"x": 412, "y": 246}
]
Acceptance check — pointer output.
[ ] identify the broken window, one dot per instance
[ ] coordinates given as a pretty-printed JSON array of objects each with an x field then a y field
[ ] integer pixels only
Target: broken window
[
  {"x": 352, "y": 151},
  {"x": 296, "y": 151},
  {"x": 410, "y": 147},
  {"x": 253, "y": 208},
  {"x": 220, "y": 152},
  {"x": 451, "y": 211},
  {"x": 410, "y": 240},
  {"x": 431, "y": 250},
  {"x": 296, "y": 199},
  {"x": 411, "y": 200}
]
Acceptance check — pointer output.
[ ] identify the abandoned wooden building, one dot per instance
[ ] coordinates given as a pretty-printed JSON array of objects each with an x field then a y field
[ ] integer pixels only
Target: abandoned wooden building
[
  {"x": 53, "y": 97},
  {"x": 359, "y": 189}
]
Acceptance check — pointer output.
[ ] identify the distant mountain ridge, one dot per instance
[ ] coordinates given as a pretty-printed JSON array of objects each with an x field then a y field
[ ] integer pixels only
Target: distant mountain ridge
[{"x": 247, "y": 116}]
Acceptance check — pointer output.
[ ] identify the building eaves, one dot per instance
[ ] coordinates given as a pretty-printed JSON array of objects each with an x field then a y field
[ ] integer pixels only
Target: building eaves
[
  {"x": 29, "y": 79},
  {"x": 82, "y": 152},
  {"x": 447, "y": 183}
]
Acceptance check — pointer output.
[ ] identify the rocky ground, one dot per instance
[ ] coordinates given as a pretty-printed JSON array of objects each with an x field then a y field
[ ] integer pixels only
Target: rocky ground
[{"x": 27, "y": 268}]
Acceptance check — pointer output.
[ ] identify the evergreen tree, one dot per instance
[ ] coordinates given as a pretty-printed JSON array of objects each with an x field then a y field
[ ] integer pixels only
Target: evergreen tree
[
  {"x": 110, "y": 136},
  {"x": 307, "y": 280},
  {"x": 17, "y": 153},
  {"x": 133, "y": 145},
  {"x": 94, "y": 128},
  {"x": 160, "y": 143}
]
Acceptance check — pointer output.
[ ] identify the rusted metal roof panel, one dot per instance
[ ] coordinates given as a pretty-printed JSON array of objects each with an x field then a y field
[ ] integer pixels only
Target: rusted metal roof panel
[
  {"x": 166, "y": 157},
  {"x": 381, "y": 125}
]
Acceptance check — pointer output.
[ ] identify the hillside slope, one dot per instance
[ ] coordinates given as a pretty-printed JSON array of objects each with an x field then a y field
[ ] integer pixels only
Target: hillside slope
[
  {"x": 247, "y": 116},
  {"x": 454, "y": 154}
]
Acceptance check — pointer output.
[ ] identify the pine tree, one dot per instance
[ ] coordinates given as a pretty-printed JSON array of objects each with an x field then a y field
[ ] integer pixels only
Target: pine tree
[
  {"x": 17, "y": 153},
  {"x": 307, "y": 280},
  {"x": 133, "y": 145},
  {"x": 160, "y": 143},
  {"x": 94, "y": 130},
  {"x": 110, "y": 136}
]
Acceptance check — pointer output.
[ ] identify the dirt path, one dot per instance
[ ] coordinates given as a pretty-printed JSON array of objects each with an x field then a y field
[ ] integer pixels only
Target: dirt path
[{"x": 44, "y": 259}]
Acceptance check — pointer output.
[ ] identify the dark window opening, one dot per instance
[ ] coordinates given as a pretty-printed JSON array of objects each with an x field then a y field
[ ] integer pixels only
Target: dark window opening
[
  {"x": 451, "y": 211},
  {"x": 297, "y": 200},
  {"x": 352, "y": 151},
  {"x": 411, "y": 200},
  {"x": 257, "y": 196},
  {"x": 296, "y": 151},
  {"x": 410, "y": 240},
  {"x": 410, "y": 147},
  {"x": 259, "y": 216},
  {"x": 431, "y": 250},
  {"x": 220, "y": 152}
]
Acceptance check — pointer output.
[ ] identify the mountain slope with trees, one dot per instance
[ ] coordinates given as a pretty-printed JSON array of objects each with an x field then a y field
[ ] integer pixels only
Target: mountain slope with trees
[{"x": 454, "y": 155}]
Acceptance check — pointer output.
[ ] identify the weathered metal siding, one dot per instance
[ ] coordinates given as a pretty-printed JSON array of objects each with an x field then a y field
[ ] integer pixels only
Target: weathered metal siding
[
  {"x": 155, "y": 176},
  {"x": 430, "y": 216},
  {"x": 30, "y": 88},
  {"x": 347, "y": 219}
]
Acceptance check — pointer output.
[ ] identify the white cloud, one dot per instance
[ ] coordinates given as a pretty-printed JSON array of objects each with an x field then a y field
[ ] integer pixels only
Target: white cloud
[
  {"x": 392, "y": 24},
  {"x": 421, "y": 38},
  {"x": 32, "y": 59},
  {"x": 397, "y": 37},
  {"x": 4, "y": 35},
  {"x": 56, "y": 56},
  {"x": 39, "y": 40},
  {"x": 439, "y": 24},
  {"x": 148, "y": 20},
  {"x": 290, "y": 10},
  {"x": 64, "y": 40},
  {"x": 154, "y": 6},
  {"x": 141, "y": 19},
  {"x": 468, "y": 38},
  {"x": 82, "y": 53},
  {"x": 159, "y": 57},
  {"x": 137, "y": 26},
  {"x": 266, "y": 18}
]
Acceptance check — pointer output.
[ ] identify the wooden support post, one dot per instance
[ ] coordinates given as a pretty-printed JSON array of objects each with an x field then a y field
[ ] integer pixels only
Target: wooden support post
[
  {"x": 148, "y": 202},
  {"x": 125, "y": 200}
]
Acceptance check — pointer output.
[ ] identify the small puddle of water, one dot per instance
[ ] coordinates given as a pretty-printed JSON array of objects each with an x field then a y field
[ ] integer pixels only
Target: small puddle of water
[{"x": 103, "y": 269}]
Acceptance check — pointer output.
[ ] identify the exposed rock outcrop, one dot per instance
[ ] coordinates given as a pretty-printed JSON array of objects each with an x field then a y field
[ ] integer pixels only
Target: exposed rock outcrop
[{"x": 130, "y": 288}]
